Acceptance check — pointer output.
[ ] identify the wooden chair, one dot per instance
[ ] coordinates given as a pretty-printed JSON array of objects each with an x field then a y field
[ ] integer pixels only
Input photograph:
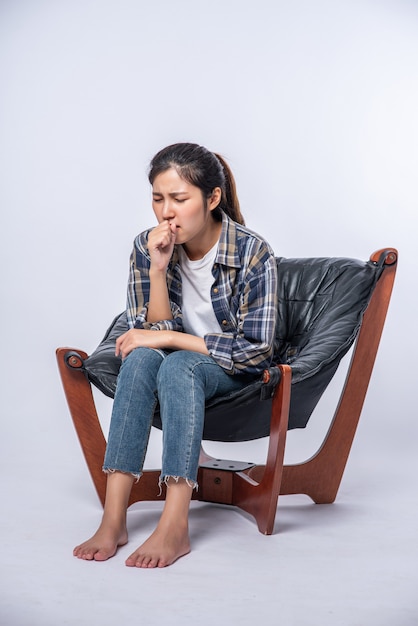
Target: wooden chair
[{"x": 325, "y": 305}]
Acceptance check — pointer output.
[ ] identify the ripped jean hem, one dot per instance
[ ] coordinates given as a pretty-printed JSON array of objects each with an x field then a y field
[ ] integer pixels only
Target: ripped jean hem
[
  {"x": 162, "y": 480},
  {"x": 165, "y": 480},
  {"x": 109, "y": 470}
]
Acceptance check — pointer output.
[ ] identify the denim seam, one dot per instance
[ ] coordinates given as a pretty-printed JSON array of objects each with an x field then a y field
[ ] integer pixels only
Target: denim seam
[
  {"x": 193, "y": 421},
  {"x": 116, "y": 455}
]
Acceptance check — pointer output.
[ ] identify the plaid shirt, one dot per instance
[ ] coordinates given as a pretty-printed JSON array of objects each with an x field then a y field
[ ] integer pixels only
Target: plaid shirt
[{"x": 244, "y": 298}]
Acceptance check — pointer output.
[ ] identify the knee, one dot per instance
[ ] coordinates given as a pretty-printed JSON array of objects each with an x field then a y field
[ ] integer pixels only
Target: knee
[
  {"x": 169, "y": 368},
  {"x": 146, "y": 359},
  {"x": 178, "y": 367}
]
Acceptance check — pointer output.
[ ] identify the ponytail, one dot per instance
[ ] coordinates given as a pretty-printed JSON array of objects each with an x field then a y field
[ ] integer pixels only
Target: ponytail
[{"x": 229, "y": 202}]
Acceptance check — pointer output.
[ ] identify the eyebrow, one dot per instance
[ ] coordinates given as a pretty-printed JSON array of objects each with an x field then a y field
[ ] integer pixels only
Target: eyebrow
[{"x": 173, "y": 193}]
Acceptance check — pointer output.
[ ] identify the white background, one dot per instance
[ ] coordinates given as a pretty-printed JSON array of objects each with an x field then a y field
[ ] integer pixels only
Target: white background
[{"x": 314, "y": 105}]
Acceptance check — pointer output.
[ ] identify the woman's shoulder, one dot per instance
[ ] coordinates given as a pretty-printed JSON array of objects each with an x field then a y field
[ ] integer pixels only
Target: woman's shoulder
[
  {"x": 140, "y": 249},
  {"x": 248, "y": 239},
  {"x": 142, "y": 237},
  {"x": 141, "y": 240},
  {"x": 241, "y": 247}
]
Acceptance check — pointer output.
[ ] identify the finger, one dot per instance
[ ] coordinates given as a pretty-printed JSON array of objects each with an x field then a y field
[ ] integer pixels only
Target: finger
[
  {"x": 119, "y": 342},
  {"x": 162, "y": 228},
  {"x": 124, "y": 350},
  {"x": 161, "y": 242}
]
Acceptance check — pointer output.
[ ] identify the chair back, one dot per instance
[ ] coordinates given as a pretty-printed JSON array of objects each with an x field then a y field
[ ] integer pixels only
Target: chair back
[{"x": 321, "y": 302}]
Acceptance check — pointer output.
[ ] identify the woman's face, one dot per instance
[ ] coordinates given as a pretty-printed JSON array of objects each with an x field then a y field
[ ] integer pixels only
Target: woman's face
[{"x": 183, "y": 206}]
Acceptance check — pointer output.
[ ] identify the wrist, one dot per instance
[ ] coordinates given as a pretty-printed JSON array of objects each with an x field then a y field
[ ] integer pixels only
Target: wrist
[
  {"x": 157, "y": 273},
  {"x": 169, "y": 339}
]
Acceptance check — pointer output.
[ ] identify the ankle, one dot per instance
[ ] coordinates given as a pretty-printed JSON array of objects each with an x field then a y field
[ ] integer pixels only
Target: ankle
[
  {"x": 113, "y": 520},
  {"x": 170, "y": 523}
]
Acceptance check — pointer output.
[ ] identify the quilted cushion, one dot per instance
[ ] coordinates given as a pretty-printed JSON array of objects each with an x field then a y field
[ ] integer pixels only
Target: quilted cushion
[{"x": 321, "y": 302}]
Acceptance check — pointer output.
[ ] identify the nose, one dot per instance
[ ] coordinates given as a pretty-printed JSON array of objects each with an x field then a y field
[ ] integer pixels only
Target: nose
[{"x": 168, "y": 211}]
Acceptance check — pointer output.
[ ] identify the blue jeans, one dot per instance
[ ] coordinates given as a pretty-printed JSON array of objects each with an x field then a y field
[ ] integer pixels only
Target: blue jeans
[{"x": 181, "y": 382}]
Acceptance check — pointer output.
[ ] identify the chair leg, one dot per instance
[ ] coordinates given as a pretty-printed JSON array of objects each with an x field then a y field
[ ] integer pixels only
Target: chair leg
[
  {"x": 83, "y": 412},
  {"x": 320, "y": 476},
  {"x": 259, "y": 498},
  {"x": 257, "y": 489}
]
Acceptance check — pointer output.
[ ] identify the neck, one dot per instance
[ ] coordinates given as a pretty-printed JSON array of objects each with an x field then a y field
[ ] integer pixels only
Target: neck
[{"x": 197, "y": 248}]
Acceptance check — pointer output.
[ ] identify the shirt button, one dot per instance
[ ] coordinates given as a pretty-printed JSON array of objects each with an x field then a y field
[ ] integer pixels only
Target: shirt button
[
  {"x": 224, "y": 323},
  {"x": 215, "y": 290}
]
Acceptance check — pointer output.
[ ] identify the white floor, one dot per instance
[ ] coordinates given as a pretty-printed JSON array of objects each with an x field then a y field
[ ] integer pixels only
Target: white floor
[{"x": 352, "y": 563}]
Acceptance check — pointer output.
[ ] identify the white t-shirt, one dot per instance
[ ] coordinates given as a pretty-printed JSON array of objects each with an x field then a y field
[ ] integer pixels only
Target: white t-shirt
[{"x": 197, "y": 280}]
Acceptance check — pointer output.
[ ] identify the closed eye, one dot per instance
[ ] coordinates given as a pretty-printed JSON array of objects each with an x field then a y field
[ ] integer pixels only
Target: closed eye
[{"x": 175, "y": 198}]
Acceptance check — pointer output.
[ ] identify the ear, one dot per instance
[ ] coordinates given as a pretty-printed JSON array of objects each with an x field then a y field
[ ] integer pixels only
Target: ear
[{"x": 215, "y": 198}]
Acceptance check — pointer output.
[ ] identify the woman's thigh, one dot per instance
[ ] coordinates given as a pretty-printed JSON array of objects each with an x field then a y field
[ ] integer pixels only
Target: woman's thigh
[{"x": 184, "y": 370}]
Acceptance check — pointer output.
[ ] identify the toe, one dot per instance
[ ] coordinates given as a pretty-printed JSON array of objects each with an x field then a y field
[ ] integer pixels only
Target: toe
[{"x": 132, "y": 560}]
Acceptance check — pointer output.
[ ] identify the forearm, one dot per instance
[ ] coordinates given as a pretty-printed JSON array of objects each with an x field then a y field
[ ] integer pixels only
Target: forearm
[
  {"x": 158, "y": 339},
  {"x": 159, "y": 303},
  {"x": 184, "y": 341}
]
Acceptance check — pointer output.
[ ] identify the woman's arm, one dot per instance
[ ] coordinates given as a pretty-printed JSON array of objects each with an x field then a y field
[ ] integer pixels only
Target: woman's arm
[
  {"x": 159, "y": 302},
  {"x": 161, "y": 241},
  {"x": 150, "y": 302},
  {"x": 162, "y": 339}
]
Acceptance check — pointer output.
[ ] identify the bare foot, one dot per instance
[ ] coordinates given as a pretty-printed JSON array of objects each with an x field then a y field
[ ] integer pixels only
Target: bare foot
[
  {"x": 104, "y": 543},
  {"x": 166, "y": 544}
]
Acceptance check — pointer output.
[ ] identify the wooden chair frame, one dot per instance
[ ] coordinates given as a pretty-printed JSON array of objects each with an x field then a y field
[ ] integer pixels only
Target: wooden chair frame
[{"x": 254, "y": 489}]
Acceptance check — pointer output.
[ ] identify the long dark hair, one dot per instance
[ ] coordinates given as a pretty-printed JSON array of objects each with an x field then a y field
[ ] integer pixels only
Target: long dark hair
[{"x": 201, "y": 168}]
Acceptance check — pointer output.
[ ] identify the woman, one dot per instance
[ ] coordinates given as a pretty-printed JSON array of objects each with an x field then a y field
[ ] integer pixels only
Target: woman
[{"x": 201, "y": 309}]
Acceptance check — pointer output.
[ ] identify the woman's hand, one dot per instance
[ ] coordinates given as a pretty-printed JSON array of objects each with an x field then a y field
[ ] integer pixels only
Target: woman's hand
[
  {"x": 161, "y": 242},
  {"x": 139, "y": 338}
]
